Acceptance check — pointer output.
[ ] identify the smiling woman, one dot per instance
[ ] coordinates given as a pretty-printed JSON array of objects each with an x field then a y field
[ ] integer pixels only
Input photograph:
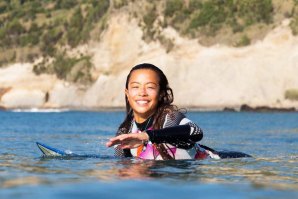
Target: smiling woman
[
  {"x": 153, "y": 127},
  {"x": 142, "y": 93}
]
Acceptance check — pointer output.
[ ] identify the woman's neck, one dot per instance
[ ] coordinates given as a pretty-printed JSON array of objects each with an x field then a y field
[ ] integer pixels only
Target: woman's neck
[
  {"x": 144, "y": 125},
  {"x": 140, "y": 119}
]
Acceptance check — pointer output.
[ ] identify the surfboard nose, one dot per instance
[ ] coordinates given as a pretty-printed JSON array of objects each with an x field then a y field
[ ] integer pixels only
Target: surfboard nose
[{"x": 49, "y": 151}]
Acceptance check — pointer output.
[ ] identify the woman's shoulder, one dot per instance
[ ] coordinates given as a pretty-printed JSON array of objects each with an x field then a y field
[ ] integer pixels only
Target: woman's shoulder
[
  {"x": 174, "y": 111},
  {"x": 173, "y": 117}
]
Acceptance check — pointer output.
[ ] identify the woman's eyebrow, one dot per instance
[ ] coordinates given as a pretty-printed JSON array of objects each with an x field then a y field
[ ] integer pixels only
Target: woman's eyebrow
[
  {"x": 151, "y": 83},
  {"x": 134, "y": 83},
  {"x": 145, "y": 83}
]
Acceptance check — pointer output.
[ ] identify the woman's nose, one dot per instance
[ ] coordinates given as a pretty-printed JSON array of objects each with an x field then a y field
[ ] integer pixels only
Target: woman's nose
[{"x": 142, "y": 91}]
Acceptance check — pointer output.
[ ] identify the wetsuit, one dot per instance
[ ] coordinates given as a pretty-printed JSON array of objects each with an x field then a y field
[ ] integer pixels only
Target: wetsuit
[{"x": 178, "y": 134}]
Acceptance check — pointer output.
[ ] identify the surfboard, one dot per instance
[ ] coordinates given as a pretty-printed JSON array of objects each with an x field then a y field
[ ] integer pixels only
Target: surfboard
[{"x": 50, "y": 151}]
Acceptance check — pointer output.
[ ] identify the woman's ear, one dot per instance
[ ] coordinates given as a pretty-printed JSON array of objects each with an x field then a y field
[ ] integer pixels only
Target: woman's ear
[{"x": 126, "y": 92}]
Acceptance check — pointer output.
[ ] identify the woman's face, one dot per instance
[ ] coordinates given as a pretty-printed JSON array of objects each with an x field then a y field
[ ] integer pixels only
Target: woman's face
[{"x": 143, "y": 93}]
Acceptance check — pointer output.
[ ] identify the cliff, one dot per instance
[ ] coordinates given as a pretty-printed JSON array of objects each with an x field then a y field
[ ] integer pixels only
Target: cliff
[{"x": 202, "y": 77}]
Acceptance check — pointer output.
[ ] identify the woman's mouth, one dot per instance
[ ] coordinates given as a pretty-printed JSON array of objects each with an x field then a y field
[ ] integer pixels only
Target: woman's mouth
[{"x": 142, "y": 102}]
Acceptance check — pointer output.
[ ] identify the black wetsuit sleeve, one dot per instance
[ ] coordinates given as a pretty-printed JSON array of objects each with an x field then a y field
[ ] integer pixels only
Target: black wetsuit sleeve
[
  {"x": 179, "y": 136},
  {"x": 182, "y": 136}
]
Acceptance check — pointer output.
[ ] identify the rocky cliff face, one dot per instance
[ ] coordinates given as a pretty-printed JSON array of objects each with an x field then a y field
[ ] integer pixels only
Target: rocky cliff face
[{"x": 204, "y": 77}]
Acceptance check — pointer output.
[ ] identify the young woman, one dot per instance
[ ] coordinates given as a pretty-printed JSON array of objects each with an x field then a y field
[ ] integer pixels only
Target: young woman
[{"x": 153, "y": 127}]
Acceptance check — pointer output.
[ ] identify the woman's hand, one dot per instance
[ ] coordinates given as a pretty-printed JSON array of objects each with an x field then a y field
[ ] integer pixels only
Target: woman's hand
[{"x": 128, "y": 141}]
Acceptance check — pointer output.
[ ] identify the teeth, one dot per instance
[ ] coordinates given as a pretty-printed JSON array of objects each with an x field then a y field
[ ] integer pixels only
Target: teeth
[{"x": 142, "y": 102}]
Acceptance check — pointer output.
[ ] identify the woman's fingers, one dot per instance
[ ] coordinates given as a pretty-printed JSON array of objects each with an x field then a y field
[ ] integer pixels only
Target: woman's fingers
[
  {"x": 110, "y": 143},
  {"x": 132, "y": 140},
  {"x": 113, "y": 141}
]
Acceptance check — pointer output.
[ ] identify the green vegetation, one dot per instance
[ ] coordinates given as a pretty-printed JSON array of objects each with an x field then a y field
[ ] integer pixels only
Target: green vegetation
[
  {"x": 244, "y": 41},
  {"x": 70, "y": 69},
  {"x": 47, "y": 28},
  {"x": 210, "y": 16},
  {"x": 149, "y": 18},
  {"x": 294, "y": 22},
  {"x": 292, "y": 94}
]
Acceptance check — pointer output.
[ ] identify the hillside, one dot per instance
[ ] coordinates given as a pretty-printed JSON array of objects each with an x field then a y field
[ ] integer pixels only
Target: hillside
[{"x": 223, "y": 53}]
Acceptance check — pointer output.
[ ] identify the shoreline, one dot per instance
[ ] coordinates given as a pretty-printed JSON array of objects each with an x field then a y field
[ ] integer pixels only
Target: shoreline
[{"x": 243, "y": 108}]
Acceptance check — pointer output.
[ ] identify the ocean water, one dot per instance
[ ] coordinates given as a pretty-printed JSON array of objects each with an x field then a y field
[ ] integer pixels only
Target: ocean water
[{"x": 271, "y": 138}]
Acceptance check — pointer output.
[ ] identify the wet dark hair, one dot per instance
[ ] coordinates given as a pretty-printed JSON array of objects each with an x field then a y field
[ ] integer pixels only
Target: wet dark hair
[{"x": 166, "y": 98}]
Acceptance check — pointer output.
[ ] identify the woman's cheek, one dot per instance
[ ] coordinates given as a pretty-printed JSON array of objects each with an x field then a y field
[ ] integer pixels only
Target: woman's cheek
[
  {"x": 152, "y": 93},
  {"x": 133, "y": 92}
]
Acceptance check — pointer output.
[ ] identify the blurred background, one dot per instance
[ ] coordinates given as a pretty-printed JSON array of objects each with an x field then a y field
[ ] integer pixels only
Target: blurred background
[{"x": 217, "y": 55}]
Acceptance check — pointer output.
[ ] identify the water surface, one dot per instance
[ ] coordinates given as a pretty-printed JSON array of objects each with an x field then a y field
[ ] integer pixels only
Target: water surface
[{"x": 271, "y": 138}]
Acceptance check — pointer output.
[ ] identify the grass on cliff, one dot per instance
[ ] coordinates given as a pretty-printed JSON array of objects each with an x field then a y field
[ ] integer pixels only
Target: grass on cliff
[
  {"x": 292, "y": 94},
  {"x": 34, "y": 29},
  {"x": 231, "y": 22},
  {"x": 213, "y": 19}
]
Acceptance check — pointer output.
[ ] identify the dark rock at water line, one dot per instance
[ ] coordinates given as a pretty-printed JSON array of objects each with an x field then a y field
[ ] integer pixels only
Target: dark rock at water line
[{"x": 248, "y": 108}]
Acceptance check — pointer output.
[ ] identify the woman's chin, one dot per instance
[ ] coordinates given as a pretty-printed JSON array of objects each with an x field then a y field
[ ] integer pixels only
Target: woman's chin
[{"x": 144, "y": 113}]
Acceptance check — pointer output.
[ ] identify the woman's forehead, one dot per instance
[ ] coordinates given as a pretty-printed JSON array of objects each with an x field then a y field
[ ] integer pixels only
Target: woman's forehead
[{"x": 142, "y": 75}]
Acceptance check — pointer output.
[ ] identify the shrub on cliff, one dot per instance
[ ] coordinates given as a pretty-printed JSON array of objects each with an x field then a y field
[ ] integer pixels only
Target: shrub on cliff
[
  {"x": 43, "y": 27},
  {"x": 69, "y": 68},
  {"x": 214, "y": 15},
  {"x": 292, "y": 94},
  {"x": 294, "y": 21}
]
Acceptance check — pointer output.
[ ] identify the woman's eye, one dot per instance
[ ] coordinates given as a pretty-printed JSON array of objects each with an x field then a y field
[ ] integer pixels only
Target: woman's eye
[{"x": 135, "y": 86}]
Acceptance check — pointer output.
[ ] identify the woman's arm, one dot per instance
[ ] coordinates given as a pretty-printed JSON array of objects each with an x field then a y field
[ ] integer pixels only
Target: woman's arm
[{"x": 178, "y": 131}]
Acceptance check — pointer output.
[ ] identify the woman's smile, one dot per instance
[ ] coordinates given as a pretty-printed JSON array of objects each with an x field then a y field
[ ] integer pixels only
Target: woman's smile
[{"x": 142, "y": 102}]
